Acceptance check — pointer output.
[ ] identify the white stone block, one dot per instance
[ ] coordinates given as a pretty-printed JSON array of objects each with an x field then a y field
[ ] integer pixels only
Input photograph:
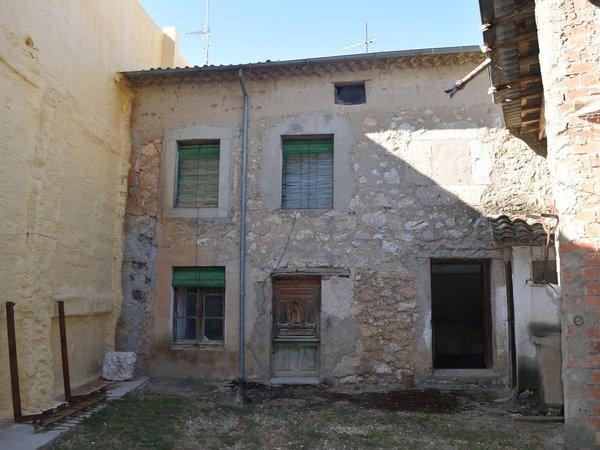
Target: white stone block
[{"x": 119, "y": 366}]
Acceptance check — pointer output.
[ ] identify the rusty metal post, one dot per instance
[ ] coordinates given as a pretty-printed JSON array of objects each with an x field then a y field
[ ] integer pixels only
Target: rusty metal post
[
  {"x": 12, "y": 356},
  {"x": 63, "y": 350}
]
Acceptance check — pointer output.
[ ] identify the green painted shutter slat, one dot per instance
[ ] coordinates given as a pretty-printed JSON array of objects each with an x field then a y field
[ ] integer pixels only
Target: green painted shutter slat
[
  {"x": 307, "y": 177},
  {"x": 213, "y": 277},
  {"x": 198, "y": 176},
  {"x": 303, "y": 147}
]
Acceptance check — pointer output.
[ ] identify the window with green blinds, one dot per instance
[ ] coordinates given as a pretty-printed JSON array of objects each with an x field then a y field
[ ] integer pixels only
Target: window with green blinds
[
  {"x": 198, "y": 176},
  {"x": 307, "y": 177},
  {"x": 199, "y": 304},
  {"x": 199, "y": 276}
]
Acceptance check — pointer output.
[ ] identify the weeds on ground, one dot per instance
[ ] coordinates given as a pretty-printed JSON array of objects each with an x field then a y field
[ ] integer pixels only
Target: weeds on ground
[{"x": 146, "y": 420}]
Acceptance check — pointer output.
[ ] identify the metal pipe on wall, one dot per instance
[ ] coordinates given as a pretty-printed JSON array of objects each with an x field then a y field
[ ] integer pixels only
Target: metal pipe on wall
[
  {"x": 242, "y": 267},
  {"x": 63, "y": 350},
  {"x": 14, "y": 366}
]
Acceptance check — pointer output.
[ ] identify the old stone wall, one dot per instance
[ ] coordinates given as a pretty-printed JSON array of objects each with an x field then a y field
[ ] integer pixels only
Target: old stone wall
[
  {"x": 414, "y": 173},
  {"x": 569, "y": 40},
  {"x": 65, "y": 145}
]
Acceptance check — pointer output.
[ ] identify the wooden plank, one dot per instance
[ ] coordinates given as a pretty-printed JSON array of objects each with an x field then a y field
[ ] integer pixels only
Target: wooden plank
[
  {"x": 526, "y": 37},
  {"x": 70, "y": 410},
  {"x": 528, "y": 61},
  {"x": 527, "y": 111},
  {"x": 513, "y": 16},
  {"x": 524, "y": 79}
]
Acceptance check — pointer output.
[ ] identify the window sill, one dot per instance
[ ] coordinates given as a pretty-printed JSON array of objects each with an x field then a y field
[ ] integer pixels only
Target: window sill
[
  {"x": 308, "y": 339},
  {"x": 316, "y": 212},
  {"x": 194, "y": 345},
  {"x": 193, "y": 213}
]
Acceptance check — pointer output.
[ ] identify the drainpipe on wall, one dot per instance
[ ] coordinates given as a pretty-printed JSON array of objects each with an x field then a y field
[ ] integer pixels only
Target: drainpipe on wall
[{"x": 243, "y": 226}]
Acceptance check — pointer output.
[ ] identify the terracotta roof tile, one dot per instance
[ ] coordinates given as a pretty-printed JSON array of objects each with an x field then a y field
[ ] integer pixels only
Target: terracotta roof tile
[{"x": 517, "y": 231}]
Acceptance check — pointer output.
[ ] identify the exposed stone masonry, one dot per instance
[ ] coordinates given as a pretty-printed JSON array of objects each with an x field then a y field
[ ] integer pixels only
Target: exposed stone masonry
[{"x": 411, "y": 183}]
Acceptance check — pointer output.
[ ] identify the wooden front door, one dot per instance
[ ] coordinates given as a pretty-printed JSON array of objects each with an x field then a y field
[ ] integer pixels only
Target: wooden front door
[{"x": 296, "y": 314}]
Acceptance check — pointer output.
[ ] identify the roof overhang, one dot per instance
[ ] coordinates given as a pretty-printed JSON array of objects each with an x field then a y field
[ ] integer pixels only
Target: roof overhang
[
  {"x": 511, "y": 42},
  {"x": 430, "y": 57},
  {"x": 512, "y": 232}
]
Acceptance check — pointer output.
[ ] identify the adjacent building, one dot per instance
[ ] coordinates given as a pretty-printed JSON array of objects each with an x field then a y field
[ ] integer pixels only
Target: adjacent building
[
  {"x": 545, "y": 72},
  {"x": 65, "y": 145}
]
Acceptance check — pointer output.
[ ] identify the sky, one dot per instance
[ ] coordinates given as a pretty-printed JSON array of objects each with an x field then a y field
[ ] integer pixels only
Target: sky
[{"x": 244, "y": 31}]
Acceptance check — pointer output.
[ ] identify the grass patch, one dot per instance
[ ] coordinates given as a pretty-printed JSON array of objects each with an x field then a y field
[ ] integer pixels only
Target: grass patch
[
  {"x": 237, "y": 410},
  {"x": 131, "y": 422},
  {"x": 214, "y": 420}
]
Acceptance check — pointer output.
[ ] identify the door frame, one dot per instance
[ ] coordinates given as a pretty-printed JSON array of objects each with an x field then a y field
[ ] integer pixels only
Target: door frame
[
  {"x": 486, "y": 305},
  {"x": 306, "y": 339}
]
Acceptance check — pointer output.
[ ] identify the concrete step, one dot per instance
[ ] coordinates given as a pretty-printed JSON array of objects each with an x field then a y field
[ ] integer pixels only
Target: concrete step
[
  {"x": 478, "y": 377},
  {"x": 295, "y": 380}
]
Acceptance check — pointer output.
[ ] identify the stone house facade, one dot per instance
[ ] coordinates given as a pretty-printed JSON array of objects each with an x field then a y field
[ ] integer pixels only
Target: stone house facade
[{"x": 341, "y": 281}]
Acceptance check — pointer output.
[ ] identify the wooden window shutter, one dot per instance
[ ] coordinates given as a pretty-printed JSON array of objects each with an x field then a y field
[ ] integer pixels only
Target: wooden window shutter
[
  {"x": 198, "y": 176},
  {"x": 307, "y": 178}
]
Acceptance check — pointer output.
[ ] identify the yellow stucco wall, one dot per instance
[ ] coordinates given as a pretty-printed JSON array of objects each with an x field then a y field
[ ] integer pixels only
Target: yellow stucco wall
[{"x": 65, "y": 147}]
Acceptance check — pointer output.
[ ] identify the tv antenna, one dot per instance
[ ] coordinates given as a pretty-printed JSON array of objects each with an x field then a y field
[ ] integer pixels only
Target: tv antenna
[
  {"x": 204, "y": 33},
  {"x": 368, "y": 40}
]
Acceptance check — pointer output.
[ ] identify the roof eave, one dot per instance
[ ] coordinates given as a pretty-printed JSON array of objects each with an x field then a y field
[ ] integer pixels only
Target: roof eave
[{"x": 307, "y": 62}]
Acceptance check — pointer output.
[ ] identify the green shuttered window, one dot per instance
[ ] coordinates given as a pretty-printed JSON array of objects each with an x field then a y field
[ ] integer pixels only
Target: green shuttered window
[
  {"x": 307, "y": 178},
  {"x": 199, "y": 277},
  {"x": 199, "y": 306},
  {"x": 198, "y": 176}
]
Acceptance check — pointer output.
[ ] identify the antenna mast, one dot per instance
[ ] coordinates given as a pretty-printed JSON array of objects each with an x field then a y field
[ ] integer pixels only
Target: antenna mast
[
  {"x": 207, "y": 33},
  {"x": 204, "y": 33},
  {"x": 368, "y": 40}
]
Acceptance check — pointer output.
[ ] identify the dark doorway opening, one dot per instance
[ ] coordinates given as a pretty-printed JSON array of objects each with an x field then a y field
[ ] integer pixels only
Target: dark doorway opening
[{"x": 460, "y": 310}]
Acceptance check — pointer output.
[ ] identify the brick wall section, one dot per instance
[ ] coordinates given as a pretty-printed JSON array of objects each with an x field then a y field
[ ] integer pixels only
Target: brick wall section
[{"x": 569, "y": 37}]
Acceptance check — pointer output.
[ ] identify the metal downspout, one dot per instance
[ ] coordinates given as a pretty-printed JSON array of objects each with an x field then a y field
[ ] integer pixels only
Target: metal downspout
[{"x": 243, "y": 227}]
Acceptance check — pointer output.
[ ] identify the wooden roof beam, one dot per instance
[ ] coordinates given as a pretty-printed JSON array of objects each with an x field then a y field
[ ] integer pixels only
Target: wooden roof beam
[
  {"x": 514, "y": 16},
  {"x": 515, "y": 82},
  {"x": 526, "y": 37}
]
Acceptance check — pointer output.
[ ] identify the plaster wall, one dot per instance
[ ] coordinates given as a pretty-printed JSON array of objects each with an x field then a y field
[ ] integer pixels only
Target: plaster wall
[
  {"x": 414, "y": 173},
  {"x": 535, "y": 310},
  {"x": 65, "y": 143}
]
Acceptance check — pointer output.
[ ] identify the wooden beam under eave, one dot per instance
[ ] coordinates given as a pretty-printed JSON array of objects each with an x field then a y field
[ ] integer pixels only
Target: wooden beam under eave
[
  {"x": 516, "y": 82},
  {"x": 527, "y": 111},
  {"x": 513, "y": 16},
  {"x": 526, "y": 37},
  {"x": 531, "y": 100},
  {"x": 529, "y": 61},
  {"x": 542, "y": 132},
  {"x": 529, "y": 122}
]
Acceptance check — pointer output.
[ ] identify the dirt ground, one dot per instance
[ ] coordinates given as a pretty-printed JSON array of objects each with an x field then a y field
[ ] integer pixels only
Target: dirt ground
[{"x": 187, "y": 414}]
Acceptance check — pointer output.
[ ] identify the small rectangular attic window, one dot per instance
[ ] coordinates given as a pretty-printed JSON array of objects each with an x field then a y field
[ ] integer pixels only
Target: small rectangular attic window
[{"x": 350, "y": 93}]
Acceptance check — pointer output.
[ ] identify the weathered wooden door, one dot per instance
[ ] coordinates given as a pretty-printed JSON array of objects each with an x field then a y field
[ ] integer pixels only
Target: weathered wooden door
[{"x": 296, "y": 313}]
